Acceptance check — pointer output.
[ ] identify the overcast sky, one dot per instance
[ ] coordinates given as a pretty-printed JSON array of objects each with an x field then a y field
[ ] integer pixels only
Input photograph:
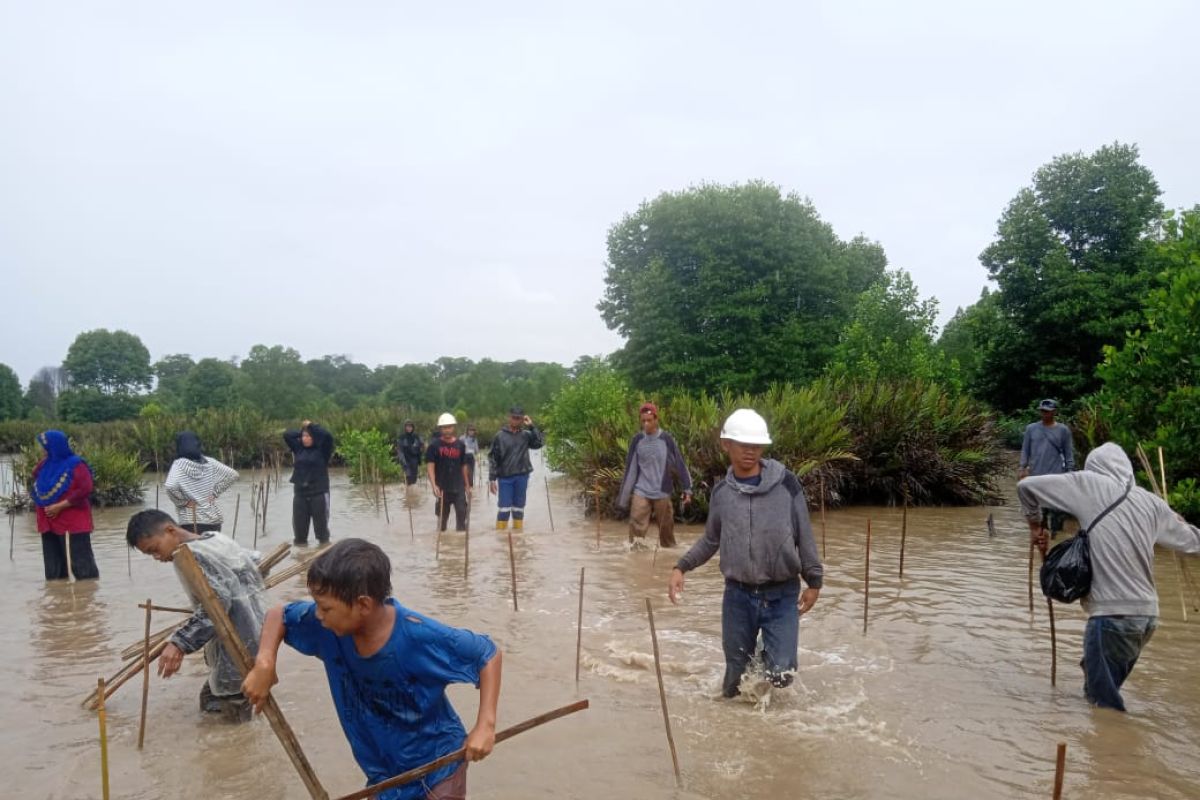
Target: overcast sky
[{"x": 399, "y": 181}]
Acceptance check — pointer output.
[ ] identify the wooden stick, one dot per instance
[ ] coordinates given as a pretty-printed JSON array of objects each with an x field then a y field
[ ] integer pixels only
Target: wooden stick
[
  {"x": 579, "y": 627},
  {"x": 512, "y": 567},
  {"x": 466, "y": 545},
  {"x": 265, "y": 503},
  {"x": 12, "y": 524},
  {"x": 991, "y": 525},
  {"x": 662, "y": 695},
  {"x": 653, "y": 560},
  {"x": 272, "y": 559},
  {"x": 597, "y": 515},
  {"x": 823, "y": 531},
  {"x": 135, "y": 650},
  {"x": 67, "y": 546},
  {"x": 903, "y": 532},
  {"x": 412, "y": 534},
  {"x": 237, "y": 507},
  {"x": 163, "y": 608},
  {"x": 1053, "y": 645},
  {"x": 387, "y": 515},
  {"x": 256, "y": 504},
  {"x": 1162, "y": 470},
  {"x": 867, "y": 578},
  {"x": 129, "y": 561},
  {"x": 1060, "y": 770},
  {"x": 103, "y": 718},
  {"x": 1031, "y": 577},
  {"x": 460, "y": 754},
  {"x": 149, "y": 606},
  {"x": 549, "y": 509},
  {"x": 193, "y": 576},
  {"x": 156, "y": 494}
]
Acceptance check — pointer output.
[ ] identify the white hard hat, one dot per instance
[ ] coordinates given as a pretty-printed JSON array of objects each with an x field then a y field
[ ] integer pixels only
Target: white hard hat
[
  {"x": 447, "y": 419},
  {"x": 746, "y": 426}
]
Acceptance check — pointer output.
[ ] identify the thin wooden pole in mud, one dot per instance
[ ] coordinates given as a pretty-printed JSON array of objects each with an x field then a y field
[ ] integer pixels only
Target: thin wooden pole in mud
[
  {"x": 662, "y": 694},
  {"x": 156, "y": 496},
  {"x": 237, "y": 507},
  {"x": 512, "y": 568},
  {"x": 597, "y": 515},
  {"x": 12, "y": 525},
  {"x": 549, "y": 509},
  {"x": 67, "y": 547},
  {"x": 103, "y": 719},
  {"x": 824, "y": 537},
  {"x": 193, "y": 576},
  {"x": 466, "y": 544},
  {"x": 171, "y": 609},
  {"x": 1031, "y": 577},
  {"x": 867, "y": 578},
  {"x": 1053, "y": 645},
  {"x": 903, "y": 531},
  {"x": 991, "y": 525},
  {"x": 265, "y": 499},
  {"x": 145, "y": 675},
  {"x": 1060, "y": 770},
  {"x": 579, "y": 627},
  {"x": 387, "y": 514},
  {"x": 460, "y": 754}
]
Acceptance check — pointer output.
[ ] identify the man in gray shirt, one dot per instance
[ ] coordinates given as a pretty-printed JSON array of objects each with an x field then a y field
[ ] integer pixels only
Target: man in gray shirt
[
  {"x": 652, "y": 466},
  {"x": 1046, "y": 450}
]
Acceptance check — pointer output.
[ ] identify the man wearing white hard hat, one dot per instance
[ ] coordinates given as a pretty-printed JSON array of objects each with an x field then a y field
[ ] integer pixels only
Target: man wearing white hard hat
[
  {"x": 449, "y": 466},
  {"x": 758, "y": 520}
]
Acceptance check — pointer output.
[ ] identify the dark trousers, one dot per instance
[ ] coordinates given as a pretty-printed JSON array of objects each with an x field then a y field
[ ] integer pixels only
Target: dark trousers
[
  {"x": 54, "y": 556},
  {"x": 1111, "y": 646},
  {"x": 410, "y": 464},
  {"x": 199, "y": 527},
  {"x": 745, "y": 612},
  {"x": 459, "y": 501},
  {"x": 314, "y": 507}
]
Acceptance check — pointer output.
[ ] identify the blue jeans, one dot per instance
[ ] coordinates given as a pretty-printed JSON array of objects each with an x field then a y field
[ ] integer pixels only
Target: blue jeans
[
  {"x": 1111, "y": 646},
  {"x": 511, "y": 496},
  {"x": 745, "y": 612}
]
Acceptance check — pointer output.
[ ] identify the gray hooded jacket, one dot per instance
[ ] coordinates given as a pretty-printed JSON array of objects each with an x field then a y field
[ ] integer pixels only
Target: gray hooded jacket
[
  {"x": 1122, "y": 545},
  {"x": 763, "y": 532}
]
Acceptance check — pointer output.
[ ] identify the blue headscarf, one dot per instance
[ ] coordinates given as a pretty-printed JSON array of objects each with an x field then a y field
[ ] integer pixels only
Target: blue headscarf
[{"x": 58, "y": 470}]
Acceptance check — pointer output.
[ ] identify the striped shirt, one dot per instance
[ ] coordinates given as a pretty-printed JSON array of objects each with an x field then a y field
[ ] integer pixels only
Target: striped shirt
[{"x": 202, "y": 484}]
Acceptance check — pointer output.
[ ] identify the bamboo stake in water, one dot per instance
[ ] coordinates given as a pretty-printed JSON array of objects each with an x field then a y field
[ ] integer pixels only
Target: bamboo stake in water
[
  {"x": 145, "y": 676},
  {"x": 387, "y": 515},
  {"x": 823, "y": 531},
  {"x": 1053, "y": 645},
  {"x": 1031, "y": 577},
  {"x": 579, "y": 627},
  {"x": 237, "y": 507},
  {"x": 103, "y": 740},
  {"x": 597, "y": 516},
  {"x": 903, "y": 532},
  {"x": 412, "y": 533},
  {"x": 662, "y": 694},
  {"x": 512, "y": 567},
  {"x": 549, "y": 509},
  {"x": 867, "y": 578},
  {"x": 12, "y": 524},
  {"x": 67, "y": 547},
  {"x": 1060, "y": 770},
  {"x": 466, "y": 545},
  {"x": 991, "y": 525},
  {"x": 461, "y": 753}
]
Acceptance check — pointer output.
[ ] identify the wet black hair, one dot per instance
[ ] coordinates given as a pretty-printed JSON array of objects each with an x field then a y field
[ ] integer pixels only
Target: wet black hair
[
  {"x": 146, "y": 525},
  {"x": 350, "y": 569}
]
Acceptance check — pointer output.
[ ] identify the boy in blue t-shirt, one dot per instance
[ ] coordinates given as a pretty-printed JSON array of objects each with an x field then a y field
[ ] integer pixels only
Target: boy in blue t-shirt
[{"x": 388, "y": 669}]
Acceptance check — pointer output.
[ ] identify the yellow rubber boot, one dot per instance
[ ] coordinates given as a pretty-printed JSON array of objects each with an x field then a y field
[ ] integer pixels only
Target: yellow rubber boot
[
  {"x": 518, "y": 524},
  {"x": 501, "y": 524}
]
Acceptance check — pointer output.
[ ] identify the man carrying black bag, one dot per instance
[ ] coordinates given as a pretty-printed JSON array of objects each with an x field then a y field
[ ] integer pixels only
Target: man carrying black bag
[{"x": 1122, "y": 604}]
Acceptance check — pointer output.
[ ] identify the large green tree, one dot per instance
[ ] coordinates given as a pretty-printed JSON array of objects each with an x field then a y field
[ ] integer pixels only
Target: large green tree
[
  {"x": 170, "y": 373},
  {"x": 1069, "y": 259},
  {"x": 276, "y": 381},
  {"x": 730, "y": 286},
  {"x": 112, "y": 362},
  {"x": 10, "y": 393},
  {"x": 414, "y": 386},
  {"x": 212, "y": 383}
]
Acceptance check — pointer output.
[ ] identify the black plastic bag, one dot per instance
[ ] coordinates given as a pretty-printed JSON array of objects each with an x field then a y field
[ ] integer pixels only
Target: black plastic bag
[{"x": 1066, "y": 573}]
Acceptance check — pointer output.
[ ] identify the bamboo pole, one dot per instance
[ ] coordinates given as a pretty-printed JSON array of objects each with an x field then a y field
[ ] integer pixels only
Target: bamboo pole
[
  {"x": 579, "y": 628},
  {"x": 156, "y": 487},
  {"x": 265, "y": 503},
  {"x": 1053, "y": 645},
  {"x": 662, "y": 694},
  {"x": 149, "y": 606},
  {"x": 193, "y": 576},
  {"x": 549, "y": 509},
  {"x": 163, "y": 608},
  {"x": 272, "y": 559},
  {"x": 597, "y": 515},
  {"x": 460, "y": 754},
  {"x": 867, "y": 578},
  {"x": 1060, "y": 770},
  {"x": 12, "y": 524},
  {"x": 412, "y": 533},
  {"x": 67, "y": 547},
  {"x": 237, "y": 507},
  {"x": 1031, "y": 577},
  {"x": 466, "y": 545},
  {"x": 991, "y": 525},
  {"x": 387, "y": 514},
  {"x": 903, "y": 531},
  {"x": 824, "y": 536},
  {"x": 129, "y": 561},
  {"x": 103, "y": 719},
  {"x": 512, "y": 568}
]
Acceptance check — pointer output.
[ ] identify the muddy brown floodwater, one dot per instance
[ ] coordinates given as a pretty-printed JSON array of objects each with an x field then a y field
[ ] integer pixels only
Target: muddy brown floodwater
[{"x": 947, "y": 696}]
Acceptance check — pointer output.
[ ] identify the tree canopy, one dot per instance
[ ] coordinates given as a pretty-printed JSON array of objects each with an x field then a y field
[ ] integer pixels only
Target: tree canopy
[{"x": 730, "y": 287}]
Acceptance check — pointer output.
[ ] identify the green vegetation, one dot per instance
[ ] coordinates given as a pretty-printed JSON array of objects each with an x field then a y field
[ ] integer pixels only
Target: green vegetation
[{"x": 367, "y": 456}]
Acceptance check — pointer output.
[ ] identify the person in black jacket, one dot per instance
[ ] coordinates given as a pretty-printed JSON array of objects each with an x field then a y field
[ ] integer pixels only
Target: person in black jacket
[
  {"x": 312, "y": 447},
  {"x": 409, "y": 448},
  {"x": 509, "y": 466}
]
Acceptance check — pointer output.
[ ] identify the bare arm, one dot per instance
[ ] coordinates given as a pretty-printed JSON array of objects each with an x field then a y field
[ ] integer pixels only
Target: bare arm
[
  {"x": 482, "y": 737},
  {"x": 258, "y": 683}
]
